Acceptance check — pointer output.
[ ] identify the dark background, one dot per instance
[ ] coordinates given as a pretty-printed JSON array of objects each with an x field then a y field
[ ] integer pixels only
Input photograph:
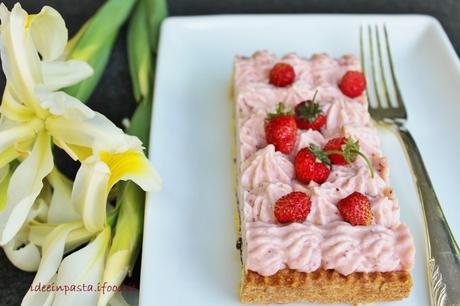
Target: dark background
[{"x": 113, "y": 97}]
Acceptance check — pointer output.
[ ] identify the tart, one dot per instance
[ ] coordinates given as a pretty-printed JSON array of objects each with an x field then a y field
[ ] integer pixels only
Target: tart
[{"x": 323, "y": 258}]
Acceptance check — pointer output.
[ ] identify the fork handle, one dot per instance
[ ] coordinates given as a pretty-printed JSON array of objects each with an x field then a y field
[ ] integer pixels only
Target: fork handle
[{"x": 443, "y": 252}]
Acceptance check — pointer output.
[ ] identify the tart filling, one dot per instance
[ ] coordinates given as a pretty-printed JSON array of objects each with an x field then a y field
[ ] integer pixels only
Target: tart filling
[{"x": 324, "y": 240}]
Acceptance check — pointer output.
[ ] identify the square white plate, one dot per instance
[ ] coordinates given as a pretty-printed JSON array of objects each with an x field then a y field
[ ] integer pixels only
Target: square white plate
[{"x": 189, "y": 255}]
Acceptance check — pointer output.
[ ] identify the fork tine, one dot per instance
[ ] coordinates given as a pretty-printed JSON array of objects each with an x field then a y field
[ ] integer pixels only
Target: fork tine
[
  {"x": 362, "y": 56},
  {"x": 382, "y": 69},
  {"x": 373, "y": 69},
  {"x": 392, "y": 71}
]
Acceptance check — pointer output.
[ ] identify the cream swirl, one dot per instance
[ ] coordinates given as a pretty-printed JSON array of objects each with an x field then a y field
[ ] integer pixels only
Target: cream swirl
[
  {"x": 325, "y": 69},
  {"x": 306, "y": 138},
  {"x": 348, "y": 248},
  {"x": 296, "y": 93},
  {"x": 301, "y": 66},
  {"x": 254, "y": 97},
  {"x": 266, "y": 166},
  {"x": 349, "y": 179},
  {"x": 260, "y": 203},
  {"x": 324, "y": 205},
  {"x": 385, "y": 211},
  {"x": 254, "y": 68},
  {"x": 340, "y": 113},
  {"x": 350, "y": 62},
  {"x": 337, "y": 245},
  {"x": 272, "y": 247},
  {"x": 252, "y": 134}
]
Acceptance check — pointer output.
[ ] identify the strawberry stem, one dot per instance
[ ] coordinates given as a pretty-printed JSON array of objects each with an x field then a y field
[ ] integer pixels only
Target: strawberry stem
[
  {"x": 314, "y": 96},
  {"x": 368, "y": 162},
  {"x": 280, "y": 111},
  {"x": 349, "y": 152},
  {"x": 329, "y": 152}
]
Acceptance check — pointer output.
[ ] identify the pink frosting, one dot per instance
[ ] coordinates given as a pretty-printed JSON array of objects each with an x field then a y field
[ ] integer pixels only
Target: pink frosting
[
  {"x": 306, "y": 138},
  {"x": 337, "y": 245},
  {"x": 260, "y": 203},
  {"x": 266, "y": 166},
  {"x": 252, "y": 134},
  {"x": 265, "y": 175}
]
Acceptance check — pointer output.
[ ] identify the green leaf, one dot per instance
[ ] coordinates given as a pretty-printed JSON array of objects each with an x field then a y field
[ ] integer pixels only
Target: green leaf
[
  {"x": 143, "y": 28},
  {"x": 93, "y": 43},
  {"x": 157, "y": 11},
  {"x": 280, "y": 111},
  {"x": 140, "y": 122},
  {"x": 139, "y": 53},
  {"x": 320, "y": 154},
  {"x": 148, "y": 14},
  {"x": 350, "y": 150}
]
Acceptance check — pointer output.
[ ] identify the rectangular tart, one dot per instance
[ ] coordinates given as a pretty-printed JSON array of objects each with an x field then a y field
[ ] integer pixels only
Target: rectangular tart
[{"x": 323, "y": 259}]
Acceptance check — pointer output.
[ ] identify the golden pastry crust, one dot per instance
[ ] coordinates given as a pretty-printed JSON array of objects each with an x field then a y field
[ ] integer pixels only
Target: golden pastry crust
[{"x": 324, "y": 287}]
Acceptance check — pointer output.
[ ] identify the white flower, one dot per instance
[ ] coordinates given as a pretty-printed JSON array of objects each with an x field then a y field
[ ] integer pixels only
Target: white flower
[
  {"x": 84, "y": 266},
  {"x": 35, "y": 115}
]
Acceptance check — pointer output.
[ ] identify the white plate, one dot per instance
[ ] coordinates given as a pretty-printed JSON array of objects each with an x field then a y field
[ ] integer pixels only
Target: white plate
[{"x": 189, "y": 255}]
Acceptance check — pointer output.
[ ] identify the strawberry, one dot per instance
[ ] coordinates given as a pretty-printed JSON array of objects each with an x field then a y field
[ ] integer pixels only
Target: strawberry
[
  {"x": 355, "y": 209},
  {"x": 282, "y": 75},
  {"x": 353, "y": 84},
  {"x": 311, "y": 164},
  {"x": 308, "y": 115},
  {"x": 340, "y": 144},
  {"x": 281, "y": 130},
  {"x": 342, "y": 151},
  {"x": 293, "y": 207}
]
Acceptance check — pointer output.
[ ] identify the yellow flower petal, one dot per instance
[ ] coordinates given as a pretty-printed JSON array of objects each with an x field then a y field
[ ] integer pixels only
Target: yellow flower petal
[
  {"x": 83, "y": 267},
  {"x": 97, "y": 133},
  {"x": 60, "y": 104},
  {"x": 25, "y": 186},
  {"x": 89, "y": 194},
  {"x": 20, "y": 60},
  {"x": 14, "y": 133},
  {"x": 8, "y": 155},
  {"x": 75, "y": 152},
  {"x": 17, "y": 150},
  {"x": 53, "y": 251},
  {"x": 49, "y": 33},
  {"x": 114, "y": 274},
  {"x": 14, "y": 110},
  {"x": 23, "y": 254},
  {"x": 39, "y": 231},
  {"x": 61, "y": 209},
  {"x": 118, "y": 300},
  {"x": 57, "y": 75},
  {"x": 4, "y": 182},
  {"x": 131, "y": 165}
]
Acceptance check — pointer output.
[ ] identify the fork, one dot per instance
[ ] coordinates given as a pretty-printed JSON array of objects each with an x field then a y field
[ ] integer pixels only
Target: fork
[{"x": 388, "y": 108}]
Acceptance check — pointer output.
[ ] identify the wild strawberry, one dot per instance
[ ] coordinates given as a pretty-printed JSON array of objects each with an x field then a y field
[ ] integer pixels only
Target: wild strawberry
[
  {"x": 282, "y": 75},
  {"x": 293, "y": 207},
  {"x": 353, "y": 84},
  {"x": 342, "y": 151},
  {"x": 311, "y": 164},
  {"x": 308, "y": 115},
  {"x": 281, "y": 130},
  {"x": 339, "y": 144},
  {"x": 355, "y": 209}
]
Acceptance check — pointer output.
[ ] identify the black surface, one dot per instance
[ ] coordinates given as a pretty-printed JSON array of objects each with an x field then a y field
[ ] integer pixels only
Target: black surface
[{"x": 113, "y": 96}]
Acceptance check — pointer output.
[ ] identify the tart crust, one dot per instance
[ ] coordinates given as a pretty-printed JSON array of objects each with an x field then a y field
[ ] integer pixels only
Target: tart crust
[{"x": 324, "y": 287}]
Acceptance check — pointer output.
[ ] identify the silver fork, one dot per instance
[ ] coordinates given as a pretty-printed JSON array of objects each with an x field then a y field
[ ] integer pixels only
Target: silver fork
[{"x": 387, "y": 107}]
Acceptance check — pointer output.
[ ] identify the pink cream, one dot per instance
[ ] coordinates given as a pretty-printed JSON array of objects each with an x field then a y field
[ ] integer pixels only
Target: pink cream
[{"x": 265, "y": 175}]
